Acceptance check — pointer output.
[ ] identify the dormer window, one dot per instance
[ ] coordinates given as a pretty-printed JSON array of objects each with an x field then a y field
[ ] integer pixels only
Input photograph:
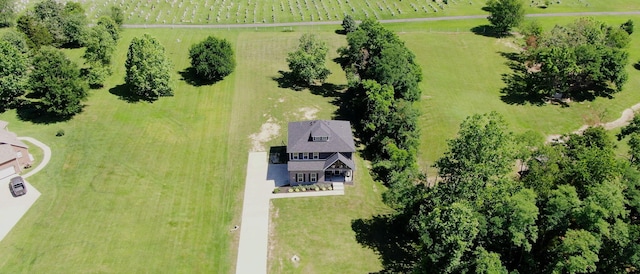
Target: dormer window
[{"x": 320, "y": 138}]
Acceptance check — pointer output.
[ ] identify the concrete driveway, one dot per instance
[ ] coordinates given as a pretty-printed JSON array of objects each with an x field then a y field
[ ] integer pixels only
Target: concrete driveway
[{"x": 12, "y": 208}]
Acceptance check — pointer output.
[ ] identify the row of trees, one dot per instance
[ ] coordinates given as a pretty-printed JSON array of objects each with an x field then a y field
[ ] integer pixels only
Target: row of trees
[
  {"x": 383, "y": 87},
  {"x": 574, "y": 209},
  {"x": 36, "y": 74},
  {"x": 42, "y": 78}
]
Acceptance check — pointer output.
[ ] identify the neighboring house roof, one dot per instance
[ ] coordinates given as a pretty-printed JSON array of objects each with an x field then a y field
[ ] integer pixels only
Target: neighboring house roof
[
  {"x": 11, "y": 138},
  {"x": 6, "y": 153},
  {"x": 308, "y": 165},
  {"x": 300, "y": 137}
]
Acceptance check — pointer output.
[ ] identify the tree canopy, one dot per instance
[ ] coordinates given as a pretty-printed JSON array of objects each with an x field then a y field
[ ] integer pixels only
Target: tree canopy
[
  {"x": 574, "y": 209},
  {"x": 55, "y": 24},
  {"x": 148, "y": 69},
  {"x": 56, "y": 81},
  {"x": 307, "y": 62},
  {"x": 505, "y": 14},
  {"x": 13, "y": 74},
  {"x": 212, "y": 59},
  {"x": 7, "y": 13},
  {"x": 582, "y": 60},
  {"x": 349, "y": 24}
]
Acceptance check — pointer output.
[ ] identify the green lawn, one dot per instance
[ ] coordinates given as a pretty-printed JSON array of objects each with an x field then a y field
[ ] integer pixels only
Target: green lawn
[
  {"x": 462, "y": 76},
  {"x": 155, "y": 187},
  {"x": 137, "y": 187}
]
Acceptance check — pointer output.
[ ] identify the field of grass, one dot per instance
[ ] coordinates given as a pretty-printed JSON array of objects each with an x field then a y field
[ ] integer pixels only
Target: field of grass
[
  {"x": 277, "y": 11},
  {"x": 462, "y": 76},
  {"x": 151, "y": 187},
  {"x": 137, "y": 187}
]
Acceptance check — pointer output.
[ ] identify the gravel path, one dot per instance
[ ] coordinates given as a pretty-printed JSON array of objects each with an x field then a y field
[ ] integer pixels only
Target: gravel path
[
  {"x": 319, "y": 23},
  {"x": 627, "y": 115}
]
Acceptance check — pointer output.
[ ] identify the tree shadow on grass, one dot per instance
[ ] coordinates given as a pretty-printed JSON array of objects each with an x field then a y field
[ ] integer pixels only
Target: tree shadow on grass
[
  {"x": 327, "y": 90},
  {"x": 387, "y": 236},
  {"x": 190, "y": 76},
  {"x": 34, "y": 112},
  {"x": 125, "y": 93},
  {"x": 286, "y": 80},
  {"x": 489, "y": 31},
  {"x": 637, "y": 65}
]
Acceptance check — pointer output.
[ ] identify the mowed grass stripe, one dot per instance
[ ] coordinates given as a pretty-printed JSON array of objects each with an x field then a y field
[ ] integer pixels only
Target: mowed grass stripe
[{"x": 139, "y": 186}]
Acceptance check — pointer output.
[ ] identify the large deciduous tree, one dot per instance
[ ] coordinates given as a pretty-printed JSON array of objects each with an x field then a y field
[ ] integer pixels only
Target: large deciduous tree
[
  {"x": 56, "y": 81},
  {"x": 148, "y": 69},
  {"x": 349, "y": 24},
  {"x": 582, "y": 60},
  {"x": 212, "y": 59},
  {"x": 100, "y": 46},
  {"x": 505, "y": 14},
  {"x": 7, "y": 13},
  {"x": 307, "y": 62},
  {"x": 55, "y": 24},
  {"x": 13, "y": 74}
]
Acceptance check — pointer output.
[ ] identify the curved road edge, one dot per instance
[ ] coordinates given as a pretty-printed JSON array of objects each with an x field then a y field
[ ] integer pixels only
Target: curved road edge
[
  {"x": 45, "y": 158},
  {"x": 405, "y": 20}
]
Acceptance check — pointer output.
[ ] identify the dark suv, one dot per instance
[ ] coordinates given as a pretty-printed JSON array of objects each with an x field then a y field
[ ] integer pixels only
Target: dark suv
[{"x": 17, "y": 186}]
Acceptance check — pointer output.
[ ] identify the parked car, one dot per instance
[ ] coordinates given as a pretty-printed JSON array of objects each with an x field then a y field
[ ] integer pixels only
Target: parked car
[{"x": 17, "y": 186}]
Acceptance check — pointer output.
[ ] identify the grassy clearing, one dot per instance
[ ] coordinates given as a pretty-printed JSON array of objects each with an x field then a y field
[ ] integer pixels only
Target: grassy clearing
[
  {"x": 276, "y": 11},
  {"x": 137, "y": 187},
  {"x": 150, "y": 187},
  {"x": 462, "y": 77}
]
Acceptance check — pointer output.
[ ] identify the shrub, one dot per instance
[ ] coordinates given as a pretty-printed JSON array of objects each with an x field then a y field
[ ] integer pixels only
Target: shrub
[
  {"x": 276, "y": 190},
  {"x": 60, "y": 133}
]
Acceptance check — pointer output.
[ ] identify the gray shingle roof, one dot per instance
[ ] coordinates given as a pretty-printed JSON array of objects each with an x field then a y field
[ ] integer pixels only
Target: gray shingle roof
[
  {"x": 305, "y": 165},
  {"x": 6, "y": 153},
  {"x": 7, "y": 137},
  {"x": 339, "y": 157},
  {"x": 339, "y": 133}
]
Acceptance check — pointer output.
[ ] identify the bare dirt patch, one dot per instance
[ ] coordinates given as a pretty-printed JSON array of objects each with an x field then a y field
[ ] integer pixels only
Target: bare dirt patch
[
  {"x": 268, "y": 131},
  {"x": 307, "y": 113}
]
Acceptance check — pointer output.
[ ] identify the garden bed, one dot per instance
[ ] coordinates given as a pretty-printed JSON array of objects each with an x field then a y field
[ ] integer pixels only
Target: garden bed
[{"x": 303, "y": 188}]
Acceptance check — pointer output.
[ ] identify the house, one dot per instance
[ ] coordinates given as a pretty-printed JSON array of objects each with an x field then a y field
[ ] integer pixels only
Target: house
[
  {"x": 14, "y": 154},
  {"x": 320, "y": 151}
]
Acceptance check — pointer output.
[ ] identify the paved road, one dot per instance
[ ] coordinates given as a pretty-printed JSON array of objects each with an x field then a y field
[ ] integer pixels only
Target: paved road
[
  {"x": 45, "y": 159},
  {"x": 318, "y": 23}
]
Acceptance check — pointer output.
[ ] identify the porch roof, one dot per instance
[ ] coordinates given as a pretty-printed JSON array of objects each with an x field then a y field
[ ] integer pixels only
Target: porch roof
[
  {"x": 338, "y": 156},
  {"x": 306, "y": 165}
]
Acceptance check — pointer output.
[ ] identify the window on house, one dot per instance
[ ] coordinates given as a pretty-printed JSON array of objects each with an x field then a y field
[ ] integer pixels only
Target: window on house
[
  {"x": 300, "y": 177},
  {"x": 336, "y": 172},
  {"x": 295, "y": 156},
  {"x": 306, "y": 155},
  {"x": 314, "y": 177},
  {"x": 315, "y": 155},
  {"x": 300, "y": 156}
]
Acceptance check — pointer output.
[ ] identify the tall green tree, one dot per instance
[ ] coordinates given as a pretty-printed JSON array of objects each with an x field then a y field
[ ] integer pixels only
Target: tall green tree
[
  {"x": 117, "y": 14},
  {"x": 111, "y": 26},
  {"x": 13, "y": 74},
  {"x": 212, "y": 59},
  {"x": 74, "y": 23},
  {"x": 505, "y": 14},
  {"x": 483, "y": 150},
  {"x": 56, "y": 81},
  {"x": 99, "y": 50},
  {"x": 148, "y": 69},
  {"x": 17, "y": 39},
  {"x": 36, "y": 32},
  {"x": 349, "y": 24},
  {"x": 307, "y": 62},
  {"x": 7, "y": 13}
]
